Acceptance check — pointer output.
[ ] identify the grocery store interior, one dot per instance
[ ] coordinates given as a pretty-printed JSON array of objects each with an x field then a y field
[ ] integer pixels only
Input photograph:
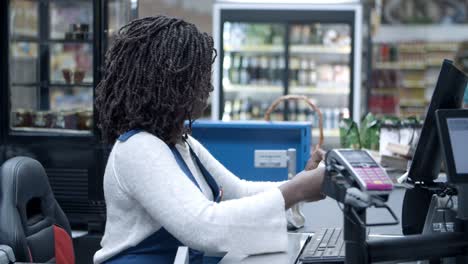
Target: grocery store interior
[{"x": 364, "y": 88}]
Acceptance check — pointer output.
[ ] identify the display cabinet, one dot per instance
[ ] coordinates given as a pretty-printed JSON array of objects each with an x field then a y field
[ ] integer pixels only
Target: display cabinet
[
  {"x": 52, "y": 58},
  {"x": 287, "y": 47}
]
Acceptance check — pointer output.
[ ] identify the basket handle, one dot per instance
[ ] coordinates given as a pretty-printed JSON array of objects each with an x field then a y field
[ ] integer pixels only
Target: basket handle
[{"x": 297, "y": 98}]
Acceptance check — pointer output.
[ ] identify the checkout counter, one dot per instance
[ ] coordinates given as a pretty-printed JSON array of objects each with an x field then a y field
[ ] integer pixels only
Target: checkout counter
[{"x": 323, "y": 214}]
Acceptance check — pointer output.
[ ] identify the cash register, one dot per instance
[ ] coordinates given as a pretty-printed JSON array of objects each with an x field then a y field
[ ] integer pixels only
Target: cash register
[{"x": 355, "y": 180}]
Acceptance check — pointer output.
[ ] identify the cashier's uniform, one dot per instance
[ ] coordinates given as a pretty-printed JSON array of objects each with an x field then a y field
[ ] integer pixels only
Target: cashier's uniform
[{"x": 159, "y": 198}]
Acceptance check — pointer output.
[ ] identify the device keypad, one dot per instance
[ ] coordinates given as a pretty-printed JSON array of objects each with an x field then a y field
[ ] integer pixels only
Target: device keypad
[{"x": 374, "y": 177}]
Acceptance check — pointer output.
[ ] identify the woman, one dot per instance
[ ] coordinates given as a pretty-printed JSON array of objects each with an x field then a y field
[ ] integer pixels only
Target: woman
[{"x": 163, "y": 189}]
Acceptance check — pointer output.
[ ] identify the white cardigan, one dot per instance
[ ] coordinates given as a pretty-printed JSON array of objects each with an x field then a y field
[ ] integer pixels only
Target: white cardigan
[{"x": 145, "y": 190}]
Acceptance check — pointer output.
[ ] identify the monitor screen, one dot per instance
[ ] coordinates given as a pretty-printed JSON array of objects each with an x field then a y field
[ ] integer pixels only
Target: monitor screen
[
  {"x": 355, "y": 156},
  {"x": 458, "y": 133},
  {"x": 448, "y": 94}
]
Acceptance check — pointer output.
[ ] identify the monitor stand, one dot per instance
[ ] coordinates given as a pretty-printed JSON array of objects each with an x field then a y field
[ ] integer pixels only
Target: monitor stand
[{"x": 441, "y": 216}]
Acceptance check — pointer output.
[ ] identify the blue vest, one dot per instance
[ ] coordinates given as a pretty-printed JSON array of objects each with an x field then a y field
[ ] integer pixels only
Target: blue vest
[{"x": 161, "y": 247}]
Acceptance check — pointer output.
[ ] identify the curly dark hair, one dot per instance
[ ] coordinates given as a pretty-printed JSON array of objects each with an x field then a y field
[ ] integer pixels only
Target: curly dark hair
[{"x": 157, "y": 75}]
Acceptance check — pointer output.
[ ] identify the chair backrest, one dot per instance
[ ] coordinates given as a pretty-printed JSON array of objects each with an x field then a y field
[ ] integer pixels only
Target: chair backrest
[{"x": 31, "y": 221}]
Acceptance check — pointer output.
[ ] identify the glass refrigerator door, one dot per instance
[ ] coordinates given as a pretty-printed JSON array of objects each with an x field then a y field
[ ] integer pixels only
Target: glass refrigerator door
[
  {"x": 51, "y": 88},
  {"x": 23, "y": 60},
  {"x": 120, "y": 12},
  {"x": 320, "y": 68},
  {"x": 252, "y": 68}
]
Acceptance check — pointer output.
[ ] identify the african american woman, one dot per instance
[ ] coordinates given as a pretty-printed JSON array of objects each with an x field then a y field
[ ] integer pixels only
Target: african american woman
[{"x": 162, "y": 187}]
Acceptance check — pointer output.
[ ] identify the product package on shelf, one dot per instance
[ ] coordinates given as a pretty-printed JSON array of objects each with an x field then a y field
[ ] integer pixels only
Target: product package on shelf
[{"x": 416, "y": 65}]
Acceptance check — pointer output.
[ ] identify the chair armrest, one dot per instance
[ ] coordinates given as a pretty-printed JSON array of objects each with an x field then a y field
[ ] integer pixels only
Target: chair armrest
[
  {"x": 6, "y": 255},
  {"x": 182, "y": 256}
]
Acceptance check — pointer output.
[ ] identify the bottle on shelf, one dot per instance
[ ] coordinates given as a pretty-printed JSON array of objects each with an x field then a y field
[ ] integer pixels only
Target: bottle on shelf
[
  {"x": 234, "y": 75},
  {"x": 272, "y": 77},
  {"x": 295, "y": 34},
  {"x": 312, "y": 77},
  {"x": 302, "y": 111},
  {"x": 281, "y": 64},
  {"x": 256, "y": 111},
  {"x": 264, "y": 80},
  {"x": 227, "y": 114},
  {"x": 236, "y": 107},
  {"x": 292, "y": 107},
  {"x": 246, "y": 109},
  {"x": 327, "y": 118},
  {"x": 305, "y": 36},
  {"x": 252, "y": 70},
  {"x": 303, "y": 73},
  {"x": 336, "y": 118},
  {"x": 294, "y": 71},
  {"x": 244, "y": 74}
]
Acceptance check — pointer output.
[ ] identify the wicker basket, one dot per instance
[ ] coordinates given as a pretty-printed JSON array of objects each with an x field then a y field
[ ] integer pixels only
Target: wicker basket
[{"x": 309, "y": 103}]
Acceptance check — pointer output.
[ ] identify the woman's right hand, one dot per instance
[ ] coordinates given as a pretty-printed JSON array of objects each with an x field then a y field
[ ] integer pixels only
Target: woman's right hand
[{"x": 305, "y": 186}]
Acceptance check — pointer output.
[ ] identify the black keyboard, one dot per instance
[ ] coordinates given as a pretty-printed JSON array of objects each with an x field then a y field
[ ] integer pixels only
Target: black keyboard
[{"x": 325, "y": 246}]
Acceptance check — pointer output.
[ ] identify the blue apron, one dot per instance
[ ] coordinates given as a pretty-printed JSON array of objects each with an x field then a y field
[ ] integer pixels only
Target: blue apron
[{"x": 161, "y": 247}]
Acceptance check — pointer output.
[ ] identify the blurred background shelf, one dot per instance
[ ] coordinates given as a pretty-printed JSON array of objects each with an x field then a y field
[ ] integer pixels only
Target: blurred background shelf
[
  {"x": 49, "y": 131},
  {"x": 428, "y": 33},
  {"x": 331, "y": 49},
  {"x": 71, "y": 41},
  {"x": 302, "y": 49},
  {"x": 311, "y": 90},
  {"x": 326, "y": 132},
  {"x": 251, "y": 88},
  {"x": 68, "y": 85},
  {"x": 25, "y": 84}
]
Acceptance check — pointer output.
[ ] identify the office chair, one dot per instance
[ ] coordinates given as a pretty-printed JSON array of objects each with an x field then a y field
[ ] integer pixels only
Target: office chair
[{"x": 32, "y": 223}]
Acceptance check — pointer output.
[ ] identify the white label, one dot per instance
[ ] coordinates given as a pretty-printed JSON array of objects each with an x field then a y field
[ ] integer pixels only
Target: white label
[{"x": 271, "y": 159}]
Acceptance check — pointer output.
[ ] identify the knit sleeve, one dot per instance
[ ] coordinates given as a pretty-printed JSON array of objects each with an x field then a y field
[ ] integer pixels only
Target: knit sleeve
[{"x": 148, "y": 172}]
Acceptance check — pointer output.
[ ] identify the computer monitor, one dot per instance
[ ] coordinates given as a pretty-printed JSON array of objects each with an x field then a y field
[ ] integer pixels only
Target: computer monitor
[
  {"x": 453, "y": 135},
  {"x": 427, "y": 159},
  {"x": 448, "y": 94}
]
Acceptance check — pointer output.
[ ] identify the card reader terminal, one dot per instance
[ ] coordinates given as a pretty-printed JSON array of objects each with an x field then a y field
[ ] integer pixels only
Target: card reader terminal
[{"x": 360, "y": 165}]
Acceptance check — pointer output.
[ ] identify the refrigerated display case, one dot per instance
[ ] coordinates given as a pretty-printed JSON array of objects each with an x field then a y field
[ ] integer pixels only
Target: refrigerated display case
[
  {"x": 54, "y": 50},
  {"x": 266, "y": 50}
]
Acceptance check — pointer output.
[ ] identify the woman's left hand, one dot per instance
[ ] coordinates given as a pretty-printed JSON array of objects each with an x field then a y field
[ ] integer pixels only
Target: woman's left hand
[{"x": 317, "y": 156}]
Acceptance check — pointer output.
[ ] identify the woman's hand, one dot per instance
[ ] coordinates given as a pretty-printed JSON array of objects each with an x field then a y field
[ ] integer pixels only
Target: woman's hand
[
  {"x": 305, "y": 186},
  {"x": 317, "y": 156}
]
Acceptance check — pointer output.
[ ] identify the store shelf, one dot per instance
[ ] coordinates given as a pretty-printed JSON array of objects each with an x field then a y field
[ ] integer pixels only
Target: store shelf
[
  {"x": 412, "y": 103},
  {"x": 23, "y": 39},
  {"x": 326, "y": 133},
  {"x": 256, "y": 49},
  {"x": 384, "y": 91},
  {"x": 421, "y": 84},
  {"x": 318, "y": 91},
  {"x": 25, "y": 84},
  {"x": 71, "y": 41},
  {"x": 66, "y": 85},
  {"x": 428, "y": 33},
  {"x": 51, "y": 41},
  {"x": 331, "y": 49},
  {"x": 442, "y": 47},
  {"x": 399, "y": 66},
  {"x": 249, "y": 88},
  {"x": 303, "y": 49},
  {"x": 57, "y": 131}
]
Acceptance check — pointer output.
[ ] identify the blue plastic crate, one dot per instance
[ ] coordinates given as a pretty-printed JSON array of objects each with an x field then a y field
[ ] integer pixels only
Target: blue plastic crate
[{"x": 234, "y": 143}]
